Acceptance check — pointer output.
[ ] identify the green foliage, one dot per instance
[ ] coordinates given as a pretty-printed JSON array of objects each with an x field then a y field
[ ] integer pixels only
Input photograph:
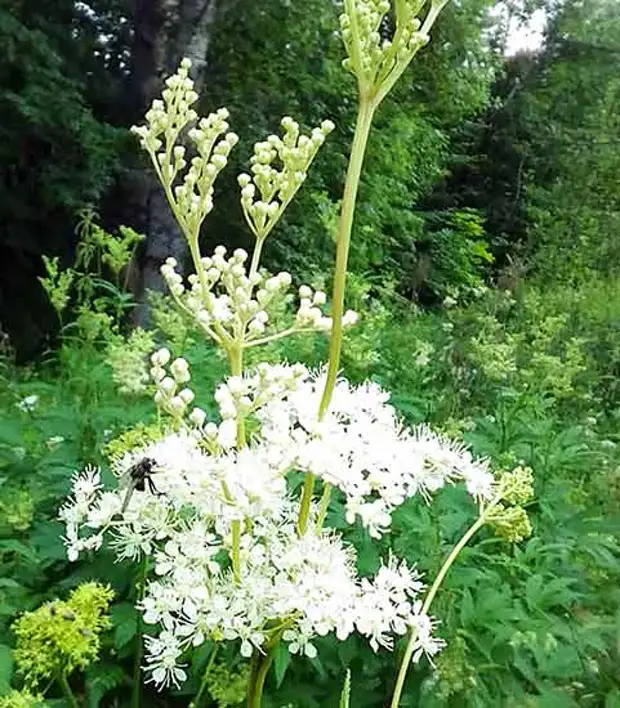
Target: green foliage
[
  {"x": 55, "y": 155},
  {"x": 527, "y": 374}
]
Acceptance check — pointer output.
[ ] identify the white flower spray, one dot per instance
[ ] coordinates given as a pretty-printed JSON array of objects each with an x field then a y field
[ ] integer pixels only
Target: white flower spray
[{"x": 233, "y": 554}]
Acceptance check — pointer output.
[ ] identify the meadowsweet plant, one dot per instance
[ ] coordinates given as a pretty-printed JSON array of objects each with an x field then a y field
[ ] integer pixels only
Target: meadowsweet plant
[{"x": 226, "y": 550}]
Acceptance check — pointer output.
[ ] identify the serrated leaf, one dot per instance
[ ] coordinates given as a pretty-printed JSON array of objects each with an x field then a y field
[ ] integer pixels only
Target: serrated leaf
[
  {"x": 125, "y": 623},
  {"x": 11, "y": 545},
  {"x": 320, "y": 669},
  {"x": 100, "y": 680}
]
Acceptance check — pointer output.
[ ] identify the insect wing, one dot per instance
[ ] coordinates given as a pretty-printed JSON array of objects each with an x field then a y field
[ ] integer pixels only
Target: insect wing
[{"x": 128, "y": 493}]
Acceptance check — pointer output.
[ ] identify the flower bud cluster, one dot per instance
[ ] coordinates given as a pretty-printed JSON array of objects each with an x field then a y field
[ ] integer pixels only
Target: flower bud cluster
[
  {"x": 172, "y": 396},
  {"x": 191, "y": 200},
  {"x": 310, "y": 316},
  {"x": 510, "y": 523},
  {"x": 231, "y": 305},
  {"x": 517, "y": 487},
  {"x": 279, "y": 168},
  {"x": 240, "y": 396},
  {"x": 370, "y": 57},
  {"x": 169, "y": 116}
]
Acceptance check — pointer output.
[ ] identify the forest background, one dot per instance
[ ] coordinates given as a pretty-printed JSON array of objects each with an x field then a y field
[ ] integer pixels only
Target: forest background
[{"x": 485, "y": 266}]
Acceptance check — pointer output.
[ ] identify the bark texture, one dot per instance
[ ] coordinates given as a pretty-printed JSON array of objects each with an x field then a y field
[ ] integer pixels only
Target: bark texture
[{"x": 165, "y": 32}]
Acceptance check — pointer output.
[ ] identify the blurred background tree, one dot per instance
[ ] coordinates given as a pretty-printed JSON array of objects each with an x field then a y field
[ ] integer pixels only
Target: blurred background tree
[{"x": 481, "y": 166}]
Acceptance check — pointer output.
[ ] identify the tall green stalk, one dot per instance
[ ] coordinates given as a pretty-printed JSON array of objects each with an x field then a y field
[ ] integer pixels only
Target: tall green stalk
[
  {"x": 345, "y": 225},
  {"x": 136, "y": 691},
  {"x": 358, "y": 151},
  {"x": 259, "y": 675},
  {"x": 406, "y": 662}
]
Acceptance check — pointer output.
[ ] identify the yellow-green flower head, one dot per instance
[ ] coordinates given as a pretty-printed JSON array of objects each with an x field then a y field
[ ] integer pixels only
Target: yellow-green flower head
[
  {"x": 18, "y": 509},
  {"x": 517, "y": 487},
  {"x": 62, "y": 636},
  {"x": 510, "y": 523},
  {"x": 137, "y": 437},
  {"x": 228, "y": 687},
  {"x": 21, "y": 699}
]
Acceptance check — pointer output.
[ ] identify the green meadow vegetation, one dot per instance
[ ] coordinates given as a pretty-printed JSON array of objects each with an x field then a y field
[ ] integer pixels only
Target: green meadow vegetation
[{"x": 485, "y": 271}]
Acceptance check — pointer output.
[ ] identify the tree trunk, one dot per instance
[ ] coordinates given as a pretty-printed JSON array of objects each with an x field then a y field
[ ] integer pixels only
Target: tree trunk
[{"x": 165, "y": 32}]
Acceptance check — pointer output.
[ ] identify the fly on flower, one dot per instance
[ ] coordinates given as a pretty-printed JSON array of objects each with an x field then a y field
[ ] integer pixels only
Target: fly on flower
[{"x": 138, "y": 478}]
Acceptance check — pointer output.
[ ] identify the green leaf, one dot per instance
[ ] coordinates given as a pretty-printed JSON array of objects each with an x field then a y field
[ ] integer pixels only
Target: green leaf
[
  {"x": 6, "y": 669},
  {"x": 281, "y": 662},
  {"x": 125, "y": 621},
  {"x": 100, "y": 680},
  {"x": 11, "y": 545},
  {"x": 320, "y": 669},
  {"x": 467, "y": 608}
]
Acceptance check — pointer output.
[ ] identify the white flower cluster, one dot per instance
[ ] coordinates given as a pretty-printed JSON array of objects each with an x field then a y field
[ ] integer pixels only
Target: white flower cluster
[
  {"x": 232, "y": 305},
  {"x": 277, "y": 185},
  {"x": 171, "y": 114},
  {"x": 361, "y": 448},
  {"x": 370, "y": 57},
  {"x": 191, "y": 200},
  {"x": 306, "y": 584},
  {"x": 302, "y": 586}
]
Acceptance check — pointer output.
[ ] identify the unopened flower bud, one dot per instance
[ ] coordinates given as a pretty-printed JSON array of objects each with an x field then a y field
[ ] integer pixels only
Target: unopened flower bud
[{"x": 197, "y": 417}]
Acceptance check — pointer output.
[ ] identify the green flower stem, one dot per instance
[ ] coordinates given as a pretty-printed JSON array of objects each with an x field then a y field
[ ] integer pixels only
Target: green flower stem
[
  {"x": 274, "y": 337},
  {"x": 260, "y": 668},
  {"x": 235, "y": 357},
  {"x": 256, "y": 255},
  {"x": 66, "y": 689},
  {"x": 136, "y": 693},
  {"x": 404, "y": 666},
  {"x": 203, "y": 685},
  {"x": 259, "y": 684},
  {"x": 304, "y": 507},
  {"x": 358, "y": 150}
]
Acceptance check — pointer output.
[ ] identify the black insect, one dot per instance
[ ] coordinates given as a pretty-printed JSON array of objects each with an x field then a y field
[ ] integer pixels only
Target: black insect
[{"x": 138, "y": 478}]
